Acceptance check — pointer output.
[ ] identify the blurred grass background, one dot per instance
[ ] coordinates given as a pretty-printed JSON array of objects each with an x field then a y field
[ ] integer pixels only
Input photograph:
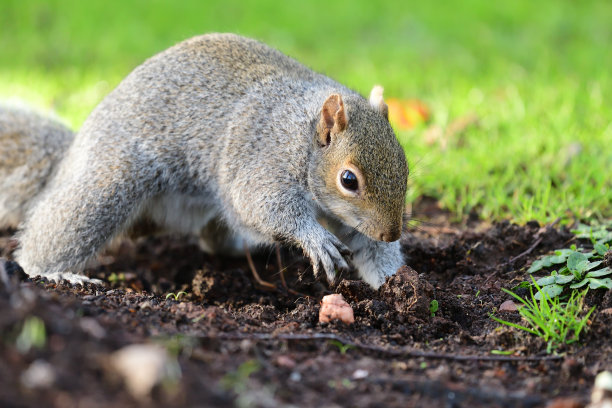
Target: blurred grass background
[{"x": 518, "y": 91}]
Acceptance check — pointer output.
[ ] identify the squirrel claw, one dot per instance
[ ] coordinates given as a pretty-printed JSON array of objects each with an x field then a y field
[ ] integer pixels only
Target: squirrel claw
[{"x": 328, "y": 254}]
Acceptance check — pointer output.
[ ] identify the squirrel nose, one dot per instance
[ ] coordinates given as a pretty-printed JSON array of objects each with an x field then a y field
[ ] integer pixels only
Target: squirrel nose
[{"x": 390, "y": 236}]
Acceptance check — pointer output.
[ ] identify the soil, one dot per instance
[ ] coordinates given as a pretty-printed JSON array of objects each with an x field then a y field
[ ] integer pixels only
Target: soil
[{"x": 240, "y": 344}]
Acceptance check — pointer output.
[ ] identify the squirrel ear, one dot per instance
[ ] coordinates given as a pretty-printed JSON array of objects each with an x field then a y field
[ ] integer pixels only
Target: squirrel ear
[
  {"x": 333, "y": 118},
  {"x": 377, "y": 101}
]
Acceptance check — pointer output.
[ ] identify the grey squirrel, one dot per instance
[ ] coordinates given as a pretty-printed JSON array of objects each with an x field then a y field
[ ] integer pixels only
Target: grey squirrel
[{"x": 227, "y": 138}]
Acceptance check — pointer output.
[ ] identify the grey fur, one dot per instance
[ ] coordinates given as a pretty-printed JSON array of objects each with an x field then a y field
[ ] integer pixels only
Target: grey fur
[
  {"x": 225, "y": 130},
  {"x": 31, "y": 146}
]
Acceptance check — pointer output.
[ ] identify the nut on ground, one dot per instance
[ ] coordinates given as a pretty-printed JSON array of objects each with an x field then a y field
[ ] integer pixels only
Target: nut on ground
[{"x": 335, "y": 307}]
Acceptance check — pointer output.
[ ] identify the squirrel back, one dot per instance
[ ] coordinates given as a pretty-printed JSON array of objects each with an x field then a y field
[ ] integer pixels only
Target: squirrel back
[{"x": 31, "y": 146}]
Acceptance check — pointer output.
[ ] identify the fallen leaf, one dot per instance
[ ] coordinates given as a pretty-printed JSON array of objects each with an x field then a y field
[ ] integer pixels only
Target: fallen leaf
[{"x": 406, "y": 114}]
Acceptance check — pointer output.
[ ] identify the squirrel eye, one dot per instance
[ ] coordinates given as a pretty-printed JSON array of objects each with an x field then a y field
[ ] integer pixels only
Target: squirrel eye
[{"x": 349, "y": 180}]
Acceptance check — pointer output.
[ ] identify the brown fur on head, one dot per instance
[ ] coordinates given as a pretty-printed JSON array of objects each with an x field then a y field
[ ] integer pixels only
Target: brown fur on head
[{"x": 361, "y": 168}]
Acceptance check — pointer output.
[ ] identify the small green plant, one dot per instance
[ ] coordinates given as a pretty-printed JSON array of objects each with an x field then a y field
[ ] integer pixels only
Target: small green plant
[
  {"x": 197, "y": 319},
  {"x": 176, "y": 296},
  {"x": 502, "y": 352},
  {"x": 178, "y": 344},
  {"x": 237, "y": 380},
  {"x": 551, "y": 319},
  {"x": 32, "y": 335},
  {"x": 344, "y": 383},
  {"x": 341, "y": 346},
  {"x": 433, "y": 307},
  {"x": 598, "y": 233},
  {"x": 577, "y": 267},
  {"x": 116, "y": 277}
]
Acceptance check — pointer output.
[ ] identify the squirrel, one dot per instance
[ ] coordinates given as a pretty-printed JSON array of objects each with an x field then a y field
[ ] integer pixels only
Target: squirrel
[{"x": 227, "y": 138}]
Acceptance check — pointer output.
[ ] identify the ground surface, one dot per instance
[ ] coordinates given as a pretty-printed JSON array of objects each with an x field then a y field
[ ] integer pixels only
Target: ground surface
[{"x": 239, "y": 345}]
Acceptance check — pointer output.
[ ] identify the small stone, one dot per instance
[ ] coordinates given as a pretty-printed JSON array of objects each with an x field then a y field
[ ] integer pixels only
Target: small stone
[
  {"x": 508, "y": 306},
  {"x": 143, "y": 366},
  {"x": 295, "y": 376},
  {"x": 145, "y": 305},
  {"x": 285, "y": 361},
  {"x": 604, "y": 381},
  {"x": 360, "y": 374},
  {"x": 601, "y": 396},
  {"x": 38, "y": 375}
]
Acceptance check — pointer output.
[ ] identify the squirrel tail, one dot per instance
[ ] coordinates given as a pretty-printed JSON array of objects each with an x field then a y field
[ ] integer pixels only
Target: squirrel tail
[{"x": 31, "y": 147}]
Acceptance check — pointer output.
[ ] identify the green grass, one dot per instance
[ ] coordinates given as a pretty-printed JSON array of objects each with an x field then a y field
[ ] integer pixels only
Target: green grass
[
  {"x": 536, "y": 75},
  {"x": 556, "y": 322}
]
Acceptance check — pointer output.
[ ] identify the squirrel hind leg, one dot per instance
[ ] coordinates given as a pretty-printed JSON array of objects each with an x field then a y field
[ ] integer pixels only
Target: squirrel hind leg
[
  {"x": 217, "y": 238},
  {"x": 74, "y": 220}
]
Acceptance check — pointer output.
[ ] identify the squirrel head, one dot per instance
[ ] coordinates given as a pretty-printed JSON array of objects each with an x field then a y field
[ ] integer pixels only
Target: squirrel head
[{"x": 359, "y": 171}]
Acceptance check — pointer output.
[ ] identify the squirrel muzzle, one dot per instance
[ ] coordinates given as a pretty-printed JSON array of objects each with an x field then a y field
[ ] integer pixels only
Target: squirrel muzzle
[{"x": 388, "y": 231}]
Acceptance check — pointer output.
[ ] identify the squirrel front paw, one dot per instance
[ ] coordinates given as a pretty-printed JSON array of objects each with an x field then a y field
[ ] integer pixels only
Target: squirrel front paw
[{"x": 326, "y": 252}]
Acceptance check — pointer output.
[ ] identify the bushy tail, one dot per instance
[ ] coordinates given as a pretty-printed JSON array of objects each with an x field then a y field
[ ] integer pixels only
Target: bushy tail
[{"x": 31, "y": 147}]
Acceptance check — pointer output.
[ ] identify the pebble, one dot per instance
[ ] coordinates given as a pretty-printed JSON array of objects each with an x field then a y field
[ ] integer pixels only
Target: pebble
[
  {"x": 143, "y": 366},
  {"x": 360, "y": 374},
  {"x": 39, "y": 374},
  {"x": 508, "y": 306},
  {"x": 285, "y": 361},
  {"x": 601, "y": 396}
]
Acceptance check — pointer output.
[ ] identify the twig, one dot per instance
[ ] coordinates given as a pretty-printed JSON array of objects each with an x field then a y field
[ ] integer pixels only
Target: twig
[
  {"x": 267, "y": 285},
  {"x": 555, "y": 222},
  {"x": 281, "y": 270},
  {"x": 457, "y": 394},
  {"x": 388, "y": 351},
  {"x": 526, "y": 252},
  {"x": 261, "y": 282}
]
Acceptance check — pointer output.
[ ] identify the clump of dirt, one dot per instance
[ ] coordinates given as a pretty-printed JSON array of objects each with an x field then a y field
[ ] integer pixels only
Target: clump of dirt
[
  {"x": 218, "y": 288},
  {"x": 608, "y": 258},
  {"x": 408, "y": 293},
  {"x": 355, "y": 290},
  {"x": 234, "y": 341}
]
